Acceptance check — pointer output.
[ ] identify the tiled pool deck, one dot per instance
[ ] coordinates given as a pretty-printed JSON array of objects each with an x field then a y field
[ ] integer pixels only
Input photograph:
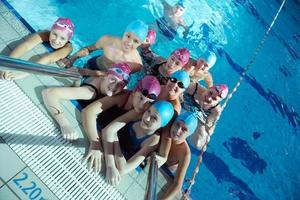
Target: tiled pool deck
[{"x": 12, "y": 32}]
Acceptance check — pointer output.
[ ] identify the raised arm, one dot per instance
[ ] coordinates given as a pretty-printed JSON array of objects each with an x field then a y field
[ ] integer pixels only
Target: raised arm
[
  {"x": 165, "y": 4},
  {"x": 30, "y": 43},
  {"x": 176, "y": 186}
]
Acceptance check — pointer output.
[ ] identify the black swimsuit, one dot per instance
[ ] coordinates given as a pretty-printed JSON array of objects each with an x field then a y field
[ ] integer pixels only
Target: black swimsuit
[{"x": 191, "y": 105}]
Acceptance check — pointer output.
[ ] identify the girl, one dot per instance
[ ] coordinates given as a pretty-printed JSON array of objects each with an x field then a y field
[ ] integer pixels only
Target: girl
[
  {"x": 139, "y": 139},
  {"x": 58, "y": 38},
  {"x": 111, "y": 84}
]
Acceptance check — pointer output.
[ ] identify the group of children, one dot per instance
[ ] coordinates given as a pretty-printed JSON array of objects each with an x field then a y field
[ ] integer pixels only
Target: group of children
[{"x": 124, "y": 126}]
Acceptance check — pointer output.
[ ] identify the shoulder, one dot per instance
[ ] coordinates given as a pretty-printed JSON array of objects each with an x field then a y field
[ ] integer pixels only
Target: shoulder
[
  {"x": 44, "y": 35},
  {"x": 106, "y": 39},
  {"x": 186, "y": 152}
]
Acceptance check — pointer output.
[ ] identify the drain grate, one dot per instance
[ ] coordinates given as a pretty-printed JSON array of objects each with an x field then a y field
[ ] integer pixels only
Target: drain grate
[{"x": 38, "y": 142}]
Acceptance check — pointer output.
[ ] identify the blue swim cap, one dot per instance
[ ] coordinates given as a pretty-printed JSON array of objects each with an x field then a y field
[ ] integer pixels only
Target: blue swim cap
[
  {"x": 180, "y": 3},
  {"x": 165, "y": 110},
  {"x": 138, "y": 28},
  {"x": 190, "y": 121},
  {"x": 182, "y": 76},
  {"x": 210, "y": 58}
]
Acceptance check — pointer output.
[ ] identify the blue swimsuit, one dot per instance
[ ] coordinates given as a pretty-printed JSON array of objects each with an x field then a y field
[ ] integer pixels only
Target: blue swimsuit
[{"x": 129, "y": 143}]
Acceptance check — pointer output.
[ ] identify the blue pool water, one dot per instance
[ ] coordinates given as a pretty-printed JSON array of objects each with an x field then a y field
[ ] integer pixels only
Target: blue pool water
[{"x": 254, "y": 153}]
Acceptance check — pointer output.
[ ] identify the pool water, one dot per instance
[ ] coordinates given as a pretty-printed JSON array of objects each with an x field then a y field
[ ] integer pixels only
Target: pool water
[{"x": 254, "y": 152}]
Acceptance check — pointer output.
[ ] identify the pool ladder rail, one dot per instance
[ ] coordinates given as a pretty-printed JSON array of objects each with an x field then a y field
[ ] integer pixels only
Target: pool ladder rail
[{"x": 14, "y": 64}]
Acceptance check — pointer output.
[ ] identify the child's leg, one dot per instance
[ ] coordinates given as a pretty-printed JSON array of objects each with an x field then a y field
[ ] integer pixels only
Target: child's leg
[{"x": 52, "y": 98}]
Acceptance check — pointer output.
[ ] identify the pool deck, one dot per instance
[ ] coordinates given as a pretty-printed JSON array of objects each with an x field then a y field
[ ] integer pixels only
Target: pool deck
[{"x": 12, "y": 32}]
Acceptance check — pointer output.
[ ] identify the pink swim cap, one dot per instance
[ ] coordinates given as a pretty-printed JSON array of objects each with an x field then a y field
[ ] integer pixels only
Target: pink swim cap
[
  {"x": 65, "y": 25},
  {"x": 222, "y": 90},
  {"x": 151, "y": 36},
  {"x": 149, "y": 86},
  {"x": 182, "y": 54},
  {"x": 121, "y": 70}
]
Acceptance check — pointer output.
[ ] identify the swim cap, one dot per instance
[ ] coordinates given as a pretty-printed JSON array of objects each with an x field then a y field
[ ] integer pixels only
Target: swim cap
[
  {"x": 149, "y": 86},
  {"x": 180, "y": 3},
  {"x": 165, "y": 110},
  {"x": 182, "y": 76},
  {"x": 65, "y": 25},
  {"x": 182, "y": 54},
  {"x": 151, "y": 36},
  {"x": 211, "y": 59},
  {"x": 138, "y": 28},
  {"x": 190, "y": 121},
  {"x": 121, "y": 70},
  {"x": 222, "y": 90}
]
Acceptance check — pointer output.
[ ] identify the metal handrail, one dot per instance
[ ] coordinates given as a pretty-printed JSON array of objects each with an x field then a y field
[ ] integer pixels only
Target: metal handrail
[
  {"x": 8, "y": 63},
  {"x": 152, "y": 179}
]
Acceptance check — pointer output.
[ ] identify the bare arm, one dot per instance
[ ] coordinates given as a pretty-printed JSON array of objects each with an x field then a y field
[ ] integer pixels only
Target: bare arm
[
  {"x": 211, "y": 119},
  {"x": 209, "y": 80},
  {"x": 90, "y": 113},
  {"x": 110, "y": 132},
  {"x": 164, "y": 146},
  {"x": 148, "y": 146},
  {"x": 89, "y": 49},
  {"x": 180, "y": 174},
  {"x": 56, "y": 55},
  {"x": 26, "y": 46}
]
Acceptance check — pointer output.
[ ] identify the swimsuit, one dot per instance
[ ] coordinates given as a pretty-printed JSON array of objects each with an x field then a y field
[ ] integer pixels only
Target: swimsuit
[
  {"x": 154, "y": 71},
  {"x": 129, "y": 143},
  {"x": 191, "y": 105},
  {"x": 166, "y": 30}
]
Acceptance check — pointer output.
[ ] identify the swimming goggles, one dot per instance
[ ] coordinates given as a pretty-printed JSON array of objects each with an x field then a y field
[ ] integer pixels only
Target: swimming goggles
[
  {"x": 65, "y": 26},
  {"x": 146, "y": 93},
  {"x": 180, "y": 56},
  {"x": 119, "y": 72},
  {"x": 179, "y": 83}
]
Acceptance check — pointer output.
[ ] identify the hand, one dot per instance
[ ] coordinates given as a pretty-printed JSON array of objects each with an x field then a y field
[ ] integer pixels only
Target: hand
[
  {"x": 83, "y": 52},
  {"x": 160, "y": 160},
  {"x": 65, "y": 62},
  {"x": 7, "y": 75},
  {"x": 112, "y": 176},
  {"x": 94, "y": 159}
]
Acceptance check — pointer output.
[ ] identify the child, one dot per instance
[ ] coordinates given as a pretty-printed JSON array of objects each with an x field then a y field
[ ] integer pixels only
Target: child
[{"x": 58, "y": 38}]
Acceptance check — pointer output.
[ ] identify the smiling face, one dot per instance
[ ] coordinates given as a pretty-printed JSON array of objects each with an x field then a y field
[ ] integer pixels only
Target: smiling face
[
  {"x": 173, "y": 64},
  {"x": 179, "y": 131},
  {"x": 151, "y": 120},
  {"x": 173, "y": 89},
  {"x": 211, "y": 97},
  {"x": 140, "y": 102},
  {"x": 130, "y": 42},
  {"x": 58, "y": 39},
  {"x": 112, "y": 85}
]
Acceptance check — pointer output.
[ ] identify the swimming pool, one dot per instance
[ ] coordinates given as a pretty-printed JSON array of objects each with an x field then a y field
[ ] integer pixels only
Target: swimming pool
[{"x": 254, "y": 152}]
